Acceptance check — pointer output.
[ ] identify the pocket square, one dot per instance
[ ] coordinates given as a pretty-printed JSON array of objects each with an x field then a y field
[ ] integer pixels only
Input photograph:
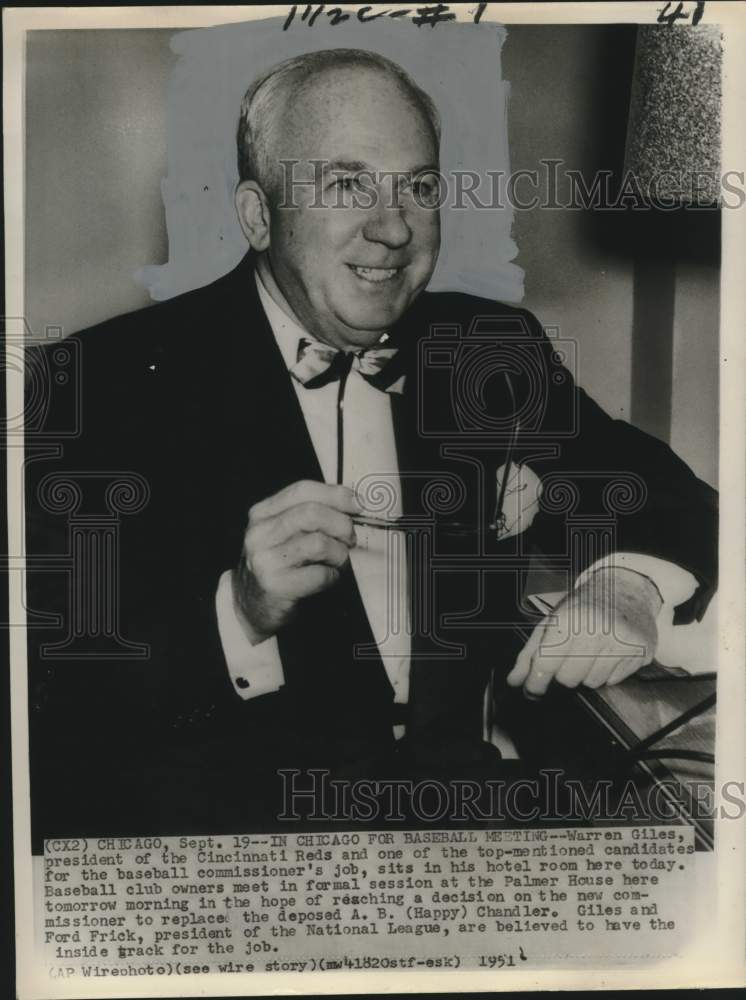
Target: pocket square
[{"x": 520, "y": 501}]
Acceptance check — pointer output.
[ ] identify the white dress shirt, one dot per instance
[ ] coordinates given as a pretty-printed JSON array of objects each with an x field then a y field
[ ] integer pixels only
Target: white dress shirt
[{"x": 378, "y": 560}]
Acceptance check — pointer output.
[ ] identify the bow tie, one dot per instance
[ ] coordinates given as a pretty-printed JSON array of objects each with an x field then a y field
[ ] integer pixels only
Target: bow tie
[{"x": 318, "y": 364}]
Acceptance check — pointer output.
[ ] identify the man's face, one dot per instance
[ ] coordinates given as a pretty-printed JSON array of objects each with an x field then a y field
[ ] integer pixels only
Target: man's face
[{"x": 350, "y": 270}]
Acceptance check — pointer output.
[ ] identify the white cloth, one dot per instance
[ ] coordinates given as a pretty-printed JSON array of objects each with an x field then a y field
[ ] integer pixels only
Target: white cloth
[{"x": 379, "y": 560}]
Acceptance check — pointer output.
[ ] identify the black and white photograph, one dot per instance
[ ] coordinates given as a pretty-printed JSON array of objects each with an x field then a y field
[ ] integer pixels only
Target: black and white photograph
[{"x": 375, "y": 444}]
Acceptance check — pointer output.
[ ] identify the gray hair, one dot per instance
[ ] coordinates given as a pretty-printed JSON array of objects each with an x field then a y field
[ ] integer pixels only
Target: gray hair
[{"x": 269, "y": 94}]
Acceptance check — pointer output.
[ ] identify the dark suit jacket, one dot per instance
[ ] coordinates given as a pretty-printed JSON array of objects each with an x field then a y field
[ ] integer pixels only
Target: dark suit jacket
[{"x": 192, "y": 396}]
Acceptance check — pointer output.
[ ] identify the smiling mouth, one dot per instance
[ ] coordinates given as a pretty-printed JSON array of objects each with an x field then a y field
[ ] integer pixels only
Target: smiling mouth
[{"x": 375, "y": 275}]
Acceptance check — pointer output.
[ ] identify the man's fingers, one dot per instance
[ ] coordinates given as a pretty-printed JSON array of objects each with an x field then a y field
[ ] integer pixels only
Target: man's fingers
[
  {"x": 309, "y": 517},
  {"x": 574, "y": 650},
  {"x": 549, "y": 651},
  {"x": 540, "y": 675},
  {"x": 625, "y": 667},
  {"x": 602, "y": 668},
  {"x": 342, "y": 498},
  {"x": 638, "y": 654},
  {"x": 594, "y": 669},
  {"x": 616, "y": 674},
  {"x": 520, "y": 670},
  {"x": 294, "y": 546},
  {"x": 307, "y": 580},
  {"x": 311, "y": 547},
  {"x": 547, "y": 659},
  {"x": 589, "y": 661},
  {"x": 574, "y": 669},
  {"x": 314, "y": 516}
]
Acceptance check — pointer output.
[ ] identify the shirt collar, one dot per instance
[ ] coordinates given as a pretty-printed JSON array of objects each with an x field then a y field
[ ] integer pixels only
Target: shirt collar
[{"x": 287, "y": 331}]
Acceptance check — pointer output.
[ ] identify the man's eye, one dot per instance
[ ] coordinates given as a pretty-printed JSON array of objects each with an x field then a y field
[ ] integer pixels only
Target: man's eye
[
  {"x": 426, "y": 190},
  {"x": 347, "y": 183}
]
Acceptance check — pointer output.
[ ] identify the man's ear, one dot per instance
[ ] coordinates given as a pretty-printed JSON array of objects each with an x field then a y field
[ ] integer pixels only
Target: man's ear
[{"x": 253, "y": 214}]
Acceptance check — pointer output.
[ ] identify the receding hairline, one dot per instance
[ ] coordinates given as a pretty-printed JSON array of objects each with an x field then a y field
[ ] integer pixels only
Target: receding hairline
[
  {"x": 268, "y": 96},
  {"x": 319, "y": 74}
]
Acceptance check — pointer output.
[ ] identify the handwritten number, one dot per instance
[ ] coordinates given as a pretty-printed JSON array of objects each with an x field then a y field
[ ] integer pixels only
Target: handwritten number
[
  {"x": 665, "y": 18},
  {"x": 304, "y": 16},
  {"x": 680, "y": 15},
  {"x": 431, "y": 14},
  {"x": 315, "y": 14},
  {"x": 337, "y": 16}
]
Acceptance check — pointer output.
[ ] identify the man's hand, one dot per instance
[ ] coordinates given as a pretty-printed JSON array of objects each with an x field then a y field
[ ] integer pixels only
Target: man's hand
[
  {"x": 295, "y": 545},
  {"x": 600, "y": 633}
]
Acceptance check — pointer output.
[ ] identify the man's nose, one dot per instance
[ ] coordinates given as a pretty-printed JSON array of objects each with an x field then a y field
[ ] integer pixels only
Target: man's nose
[{"x": 387, "y": 224}]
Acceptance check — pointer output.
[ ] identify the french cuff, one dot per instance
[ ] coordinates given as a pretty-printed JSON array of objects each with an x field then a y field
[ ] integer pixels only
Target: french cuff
[
  {"x": 673, "y": 583},
  {"x": 253, "y": 669},
  {"x": 690, "y": 647}
]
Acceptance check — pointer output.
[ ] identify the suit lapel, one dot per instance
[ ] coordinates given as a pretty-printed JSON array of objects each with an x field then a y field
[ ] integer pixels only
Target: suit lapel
[
  {"x": 265, "y": 448},
  {"x": 273, "y": 446}
]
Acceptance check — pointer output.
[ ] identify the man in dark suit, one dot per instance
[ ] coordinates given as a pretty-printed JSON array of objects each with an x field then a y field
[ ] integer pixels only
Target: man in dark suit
[{"x": 263, "y": 415}]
